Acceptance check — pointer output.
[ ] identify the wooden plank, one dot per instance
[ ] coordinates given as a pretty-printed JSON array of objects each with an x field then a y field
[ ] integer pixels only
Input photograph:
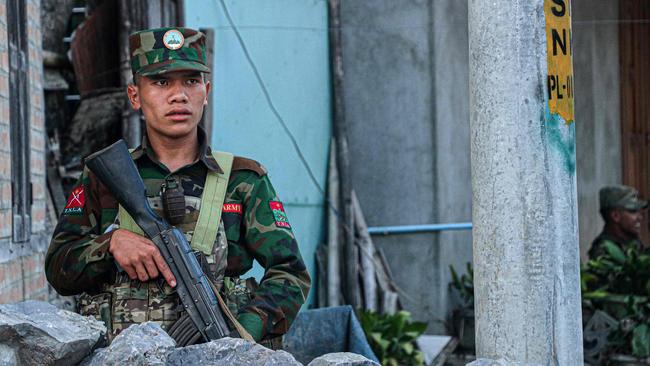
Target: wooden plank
[
  {"x": 388, "y": 299},
  {"x": 333, "y": 232},
  {"x": 391, "y": 302},
  {"x": 366, "y": 253}
]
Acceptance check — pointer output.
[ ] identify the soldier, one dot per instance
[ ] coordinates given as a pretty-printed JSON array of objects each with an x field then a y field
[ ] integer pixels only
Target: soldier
[
  {"x": 96, "y": 250},
  {"x": 622, "y": 211}
]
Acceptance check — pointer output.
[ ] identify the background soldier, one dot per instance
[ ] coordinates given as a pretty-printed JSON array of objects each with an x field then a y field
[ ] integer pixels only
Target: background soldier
[
  {"x": 95, "y": 248},
  {"x": 622, "y": 211}
]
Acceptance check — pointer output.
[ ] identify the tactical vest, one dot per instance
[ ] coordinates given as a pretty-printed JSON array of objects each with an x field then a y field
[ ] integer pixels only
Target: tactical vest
[{"x": 126, "y": 302}]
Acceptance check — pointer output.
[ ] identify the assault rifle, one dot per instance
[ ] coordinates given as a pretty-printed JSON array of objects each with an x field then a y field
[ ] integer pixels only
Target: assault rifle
[{"x": 116, "y": 170}]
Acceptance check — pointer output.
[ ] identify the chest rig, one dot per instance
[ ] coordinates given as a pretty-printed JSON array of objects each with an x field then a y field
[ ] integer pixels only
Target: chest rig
[{"x": 127, "y": 302}]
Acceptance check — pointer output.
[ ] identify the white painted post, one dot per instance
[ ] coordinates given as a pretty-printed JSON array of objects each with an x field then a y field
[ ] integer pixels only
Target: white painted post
[{"x": 526, "y": 253}]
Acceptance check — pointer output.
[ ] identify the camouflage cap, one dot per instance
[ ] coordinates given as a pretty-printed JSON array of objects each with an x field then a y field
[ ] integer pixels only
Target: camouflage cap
[
  {"x": 622, "y": 197},
  {"x": 160, "y": 50}
]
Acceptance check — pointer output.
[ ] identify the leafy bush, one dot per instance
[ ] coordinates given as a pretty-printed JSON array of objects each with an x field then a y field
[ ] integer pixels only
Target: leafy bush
[
  {"x": 618, "y": 283},
  {"x": 462, "y": 323},
  {"x": 392, "y": 337},
  {"x": 464, "y": 285}
]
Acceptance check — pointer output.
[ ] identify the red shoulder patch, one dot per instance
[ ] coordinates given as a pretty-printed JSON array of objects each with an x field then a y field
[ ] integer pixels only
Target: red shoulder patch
[
  {"x": 75, "y": 202},
  {"x": 279, "y": 215}
]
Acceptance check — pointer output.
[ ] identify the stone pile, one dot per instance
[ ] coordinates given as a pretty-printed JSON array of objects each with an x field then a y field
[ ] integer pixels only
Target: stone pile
[{"x": 37, "y": 333}]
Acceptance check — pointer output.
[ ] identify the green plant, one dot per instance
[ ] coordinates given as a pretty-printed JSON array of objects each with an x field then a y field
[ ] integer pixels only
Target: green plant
[
  {"x": 618, "y": 283},
  {"x": 464, "y": 285},
  {"x": 462, "y": 323},
  {"x": 392, "y": 337}
]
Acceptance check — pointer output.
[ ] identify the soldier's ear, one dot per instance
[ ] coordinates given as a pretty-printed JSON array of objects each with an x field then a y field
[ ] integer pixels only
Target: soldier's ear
[
  {"x": 208, "y": 86},
  {"x": 134, "y": 96}
]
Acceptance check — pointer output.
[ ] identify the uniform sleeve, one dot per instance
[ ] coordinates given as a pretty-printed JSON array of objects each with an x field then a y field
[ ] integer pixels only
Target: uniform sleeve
[
  {"x": 77, "y": 259},
  {"x": 269, "y": 239}
]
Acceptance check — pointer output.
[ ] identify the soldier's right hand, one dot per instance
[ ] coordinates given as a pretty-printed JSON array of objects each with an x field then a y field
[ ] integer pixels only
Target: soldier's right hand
[{"x": 139, "y": 257}]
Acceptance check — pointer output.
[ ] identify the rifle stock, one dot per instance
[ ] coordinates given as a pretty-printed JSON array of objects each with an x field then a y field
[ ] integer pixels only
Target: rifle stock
[{"x": 114, "y": 167}]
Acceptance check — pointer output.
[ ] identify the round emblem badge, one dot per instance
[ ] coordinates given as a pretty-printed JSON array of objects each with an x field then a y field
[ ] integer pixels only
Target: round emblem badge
[{"x": 173, "y": 39}]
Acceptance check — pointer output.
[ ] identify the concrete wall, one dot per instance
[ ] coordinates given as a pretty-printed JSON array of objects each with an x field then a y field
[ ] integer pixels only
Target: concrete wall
[
  {"x": 406, "y": 95},
  {"x": 406, "y": 100},
  {"x": 597, "y": 107},
  {"x": 21, "y": 265},
  {"x": 452, "y": 149},
  {"x": 287, "y": 40}
]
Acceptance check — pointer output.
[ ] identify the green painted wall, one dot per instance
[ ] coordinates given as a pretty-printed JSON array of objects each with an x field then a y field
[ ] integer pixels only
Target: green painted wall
[{"x": 287, "y": 40}]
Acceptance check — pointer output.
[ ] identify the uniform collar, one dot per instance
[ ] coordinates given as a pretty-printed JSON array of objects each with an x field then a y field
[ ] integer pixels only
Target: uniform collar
[
  {"x": 605, "y": 235},
  {"x": 205, "y": 153}
]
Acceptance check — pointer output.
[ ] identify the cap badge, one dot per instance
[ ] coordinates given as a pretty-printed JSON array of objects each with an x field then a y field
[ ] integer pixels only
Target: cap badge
[{"x": 173, "y": 39}]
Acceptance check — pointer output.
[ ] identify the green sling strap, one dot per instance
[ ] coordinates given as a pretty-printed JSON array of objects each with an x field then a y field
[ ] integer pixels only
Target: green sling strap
[{"x": 212, "y": 199}]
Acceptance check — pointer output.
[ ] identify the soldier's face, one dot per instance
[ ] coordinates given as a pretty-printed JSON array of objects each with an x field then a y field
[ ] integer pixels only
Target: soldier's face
[
  {"x": 172, "y": 103},
  {"x": 629, "y": 221}
]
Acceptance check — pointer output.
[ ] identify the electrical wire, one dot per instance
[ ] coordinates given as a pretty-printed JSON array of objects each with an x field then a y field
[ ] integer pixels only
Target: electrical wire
[
  {"x": 296, "y": 147},
  {"x": 267, "y": 96}
]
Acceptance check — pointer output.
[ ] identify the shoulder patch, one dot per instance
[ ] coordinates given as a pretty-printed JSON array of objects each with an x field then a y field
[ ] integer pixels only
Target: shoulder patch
[
  {"x": 240, "y": 163},
  {"x": 75, "y": 202}
]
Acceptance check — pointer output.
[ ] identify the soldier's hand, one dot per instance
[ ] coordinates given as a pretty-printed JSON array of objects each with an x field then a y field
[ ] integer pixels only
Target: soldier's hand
[{"x": 139, "y": 257}]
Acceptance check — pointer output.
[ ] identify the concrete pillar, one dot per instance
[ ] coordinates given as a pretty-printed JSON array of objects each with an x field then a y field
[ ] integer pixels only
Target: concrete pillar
[{"x": 526, "y": 252}]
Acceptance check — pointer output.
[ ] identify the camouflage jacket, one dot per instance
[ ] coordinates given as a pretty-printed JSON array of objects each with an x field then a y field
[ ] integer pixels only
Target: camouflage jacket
[
  {"x": 78, "y": 259},
  {"x": 598, "y": 245}
]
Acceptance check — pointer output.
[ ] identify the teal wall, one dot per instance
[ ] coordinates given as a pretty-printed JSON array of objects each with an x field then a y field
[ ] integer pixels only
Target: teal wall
[{"x": 287, "y": 40}]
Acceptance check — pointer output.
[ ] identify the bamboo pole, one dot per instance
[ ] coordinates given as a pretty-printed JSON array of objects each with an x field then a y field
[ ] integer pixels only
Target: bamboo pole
[
  {"x": 333, "y": 233},
  {"x": 366, "y": 252}
]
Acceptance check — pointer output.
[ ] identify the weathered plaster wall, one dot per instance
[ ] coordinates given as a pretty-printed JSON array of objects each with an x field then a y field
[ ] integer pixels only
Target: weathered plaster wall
[
  {"x": 452, "y": 140},
  {"x": 406, "y": 99},
  {"x": 597, "y": 108}
]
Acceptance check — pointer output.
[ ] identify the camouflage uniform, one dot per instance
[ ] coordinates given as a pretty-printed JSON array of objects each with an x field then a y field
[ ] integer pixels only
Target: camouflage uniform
[
  {"x": 598, "y": 245},
  {"x": 254, "y": 226},
  {"x": 617, "y": 197}
]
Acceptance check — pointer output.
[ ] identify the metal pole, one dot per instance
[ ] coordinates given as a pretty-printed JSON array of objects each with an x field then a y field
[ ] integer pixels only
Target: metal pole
[
  {"x": 413, "y": 229},
  {"x": 526, "y": 253},
  {"x": 131, "y": 131}
]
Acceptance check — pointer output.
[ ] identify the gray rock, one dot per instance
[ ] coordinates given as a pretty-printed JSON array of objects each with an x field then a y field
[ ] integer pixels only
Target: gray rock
[
  {"x": 37, "y": 333},
  {"x": 342, "y": 359},
  {"x": 7, "y": 356},
  {"x": 142, "y": 344},
  {"x": 231, "y": 352},
  {"x": 499, "y": 362}
]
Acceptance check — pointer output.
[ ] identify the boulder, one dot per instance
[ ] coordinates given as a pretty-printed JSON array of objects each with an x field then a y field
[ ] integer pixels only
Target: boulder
[
  {"x": 142, "y": 344},
  {"x": 499, "y": 362},
  {"x": 232, "y": 352},
  {"x": 37, "y": 333},
  {"x": 342, "y": 359}
]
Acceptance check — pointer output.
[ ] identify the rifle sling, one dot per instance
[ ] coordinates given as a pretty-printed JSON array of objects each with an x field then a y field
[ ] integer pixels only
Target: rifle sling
[
  {"x": 207, "y": 225},
  {"x": 212, "y": 199}
]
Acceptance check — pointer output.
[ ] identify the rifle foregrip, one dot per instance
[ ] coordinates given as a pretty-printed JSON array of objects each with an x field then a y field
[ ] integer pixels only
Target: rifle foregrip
[{"x": 192, "y": 284}]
